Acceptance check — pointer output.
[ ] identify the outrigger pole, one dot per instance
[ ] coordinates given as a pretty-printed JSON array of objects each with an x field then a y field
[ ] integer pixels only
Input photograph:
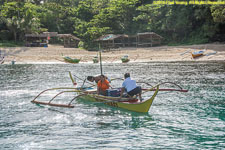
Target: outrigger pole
[{"x": 100, "y": 55}]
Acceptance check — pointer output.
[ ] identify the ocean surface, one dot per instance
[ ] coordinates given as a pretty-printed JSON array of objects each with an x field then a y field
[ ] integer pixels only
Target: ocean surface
[{"x": 176, "y": 120}]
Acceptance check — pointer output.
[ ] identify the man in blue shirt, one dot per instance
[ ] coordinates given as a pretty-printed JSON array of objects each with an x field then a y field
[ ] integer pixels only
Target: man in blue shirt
[{"x": 131, "y": 87}]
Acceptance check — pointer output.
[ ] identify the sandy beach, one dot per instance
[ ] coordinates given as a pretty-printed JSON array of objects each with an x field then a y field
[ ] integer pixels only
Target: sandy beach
[{"x": 53, "y": 54}]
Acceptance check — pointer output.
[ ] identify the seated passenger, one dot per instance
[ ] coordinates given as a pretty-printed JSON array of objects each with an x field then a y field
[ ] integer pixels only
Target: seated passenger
[
  {"x": 131, "y": 87},
  {"x": 103, "y": 85}
]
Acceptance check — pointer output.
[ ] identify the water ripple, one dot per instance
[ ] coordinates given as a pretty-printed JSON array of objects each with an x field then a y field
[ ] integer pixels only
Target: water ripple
[{"x": 193, "y": 120}]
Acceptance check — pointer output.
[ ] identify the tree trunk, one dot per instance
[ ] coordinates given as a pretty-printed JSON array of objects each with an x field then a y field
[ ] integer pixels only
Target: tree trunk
[{"x": 14, "y": 32}]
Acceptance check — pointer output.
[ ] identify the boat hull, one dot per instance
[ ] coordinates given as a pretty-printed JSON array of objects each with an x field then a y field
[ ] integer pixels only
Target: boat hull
[
  {"x": 125, "y": 60},
  {"x": 197, "y": 54},
  {"x": 142, "y": 107},
  {"x": 70, "y": 60}
]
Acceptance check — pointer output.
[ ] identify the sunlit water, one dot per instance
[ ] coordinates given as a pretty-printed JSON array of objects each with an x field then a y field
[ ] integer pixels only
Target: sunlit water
[{"x": 193, "y": 120}]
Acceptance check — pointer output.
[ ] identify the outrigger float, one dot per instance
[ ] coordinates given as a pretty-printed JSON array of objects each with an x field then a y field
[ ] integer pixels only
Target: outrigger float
[{"x": 132, "y": 104}]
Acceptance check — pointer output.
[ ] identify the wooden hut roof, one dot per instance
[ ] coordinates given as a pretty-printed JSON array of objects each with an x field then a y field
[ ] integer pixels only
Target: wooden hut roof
[
  {"x": 51, "y": 34},
  {"x": 36, "y": 35},
  {"x": 149, "y": 33},
  {"x": 108, "y": 37},
  {"x": 68, "y": 36}
]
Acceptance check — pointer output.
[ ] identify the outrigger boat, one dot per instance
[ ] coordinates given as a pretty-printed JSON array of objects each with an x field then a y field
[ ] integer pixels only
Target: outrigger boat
[{"x": 132, "y": 104}]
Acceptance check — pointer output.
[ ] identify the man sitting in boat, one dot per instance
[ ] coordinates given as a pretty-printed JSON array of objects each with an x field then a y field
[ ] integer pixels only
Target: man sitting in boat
[
  {"x": 103, "y": 85},
  {"x": 131, "y": 87},
  {"x": 97, "y": 78}
]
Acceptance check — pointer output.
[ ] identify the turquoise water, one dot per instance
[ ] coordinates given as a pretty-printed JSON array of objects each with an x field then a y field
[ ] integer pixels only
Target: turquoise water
[{"x": 193, "y": 120}]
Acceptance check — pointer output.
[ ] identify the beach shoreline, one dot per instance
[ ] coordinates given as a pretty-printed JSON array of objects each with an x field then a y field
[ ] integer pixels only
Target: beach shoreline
[{"x": 53, "y": 54}]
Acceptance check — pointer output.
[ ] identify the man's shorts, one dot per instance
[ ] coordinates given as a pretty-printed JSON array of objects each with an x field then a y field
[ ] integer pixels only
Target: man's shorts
[{"x": 135, "y": 91}]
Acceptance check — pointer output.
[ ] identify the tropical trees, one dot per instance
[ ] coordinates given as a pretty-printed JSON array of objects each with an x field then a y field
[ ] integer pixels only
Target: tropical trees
[
  {"x": 21, "y": 18},
  {"x": 89, "y": 19}
]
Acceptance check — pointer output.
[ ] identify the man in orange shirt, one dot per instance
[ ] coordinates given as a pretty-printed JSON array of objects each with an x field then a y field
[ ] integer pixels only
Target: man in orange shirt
[{"x": 103, "y": 85}]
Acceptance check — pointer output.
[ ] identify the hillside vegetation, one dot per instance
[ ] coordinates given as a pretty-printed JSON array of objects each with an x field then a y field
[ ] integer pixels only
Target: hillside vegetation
[{"x": 89, "y": 19}]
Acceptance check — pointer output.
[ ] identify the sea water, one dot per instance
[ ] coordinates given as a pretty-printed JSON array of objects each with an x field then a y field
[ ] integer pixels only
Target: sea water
[{"x": 192, "y": 120}]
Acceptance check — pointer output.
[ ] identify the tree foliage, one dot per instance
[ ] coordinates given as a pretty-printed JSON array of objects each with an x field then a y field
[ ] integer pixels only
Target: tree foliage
[{"x": 89, "y": 19}]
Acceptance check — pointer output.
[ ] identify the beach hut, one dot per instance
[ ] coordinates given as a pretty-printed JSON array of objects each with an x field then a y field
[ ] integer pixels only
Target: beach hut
[
  {"x": 123, "y": 40},
  {"x": 147, "y": 39},
  {"x": 69, "y": 40},
  {"x": 36, "y": 40}
]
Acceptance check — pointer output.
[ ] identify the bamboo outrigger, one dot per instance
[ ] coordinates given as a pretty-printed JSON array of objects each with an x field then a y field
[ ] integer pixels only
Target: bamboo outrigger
[{"x": 125, "y": 103}]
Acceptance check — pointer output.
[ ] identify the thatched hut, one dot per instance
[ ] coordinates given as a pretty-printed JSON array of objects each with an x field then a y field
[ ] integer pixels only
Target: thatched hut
[
  {"x": 122, "y": 40},
  {"x": 36, "y": 40},
  {"x": 69, "y": 40},
  {"x": 42, "y": 40},
  {"x": 112, "y": 40}
]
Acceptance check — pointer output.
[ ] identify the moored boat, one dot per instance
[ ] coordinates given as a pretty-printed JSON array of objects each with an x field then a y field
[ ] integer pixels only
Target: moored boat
[
  {"x": 197, "y": 53},
  {"x": 71, "y": 60},
  {"x": 95, "y": 59},
  {"x": 125, "y": 59}
]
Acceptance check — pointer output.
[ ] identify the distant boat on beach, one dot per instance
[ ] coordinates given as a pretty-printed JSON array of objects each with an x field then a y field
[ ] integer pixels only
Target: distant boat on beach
[
  {"x": 95, "y": 59},
  {"x": 125, "y": 59},
  {"x": 71, "y": 60},
  {"x": 197, "y": 53}
]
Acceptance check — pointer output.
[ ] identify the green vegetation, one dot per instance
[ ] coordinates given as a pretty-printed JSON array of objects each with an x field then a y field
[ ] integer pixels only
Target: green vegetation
[
  {"x": 89, "y": 19},
  {"x": 11, "y": 44}
]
